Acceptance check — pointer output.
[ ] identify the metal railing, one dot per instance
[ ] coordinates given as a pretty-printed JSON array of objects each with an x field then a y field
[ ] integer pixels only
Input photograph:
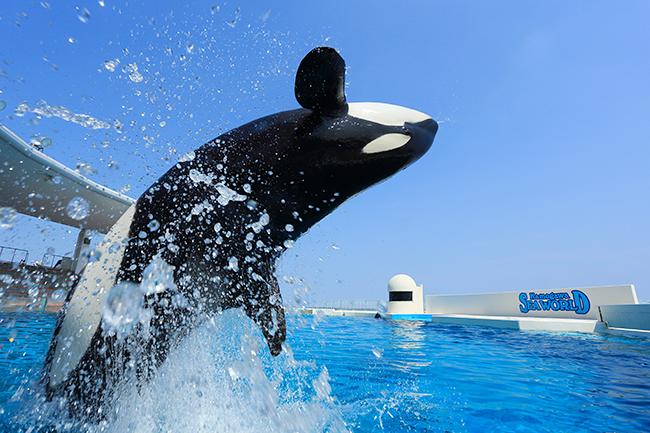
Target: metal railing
[
  {"x": 349, "y": 305},
  {"x": 53, "y": 260},
  {"x": 10, "y": 251}
]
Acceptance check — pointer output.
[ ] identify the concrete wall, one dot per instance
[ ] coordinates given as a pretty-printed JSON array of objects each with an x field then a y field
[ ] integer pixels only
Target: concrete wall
[{"x": 626, "y": 316}]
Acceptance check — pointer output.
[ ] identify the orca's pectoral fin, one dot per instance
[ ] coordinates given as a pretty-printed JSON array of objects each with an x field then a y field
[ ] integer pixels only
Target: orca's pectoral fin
[
  {"x": 320, "y": 82},
  {"x": 264, "y": 307}
]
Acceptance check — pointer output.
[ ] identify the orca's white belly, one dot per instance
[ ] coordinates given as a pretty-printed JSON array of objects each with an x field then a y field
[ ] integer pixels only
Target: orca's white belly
[{"x": 84, "y": 313}]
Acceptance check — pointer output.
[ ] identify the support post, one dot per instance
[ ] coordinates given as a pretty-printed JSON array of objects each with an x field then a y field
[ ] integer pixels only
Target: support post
[{"x": 81, "y": 251}]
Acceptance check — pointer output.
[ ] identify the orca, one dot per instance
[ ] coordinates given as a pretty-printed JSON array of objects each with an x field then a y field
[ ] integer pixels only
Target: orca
[{"x": 206, "y": 236}]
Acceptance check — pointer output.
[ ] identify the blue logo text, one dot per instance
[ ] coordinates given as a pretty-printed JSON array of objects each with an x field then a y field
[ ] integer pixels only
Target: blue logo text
[{"x": 554, "y": 302}]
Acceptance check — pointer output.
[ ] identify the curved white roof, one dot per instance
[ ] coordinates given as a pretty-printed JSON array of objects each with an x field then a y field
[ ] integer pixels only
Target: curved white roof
[
  {"x": 401, "y": 283},
  {"x": 37, "y": 185}
]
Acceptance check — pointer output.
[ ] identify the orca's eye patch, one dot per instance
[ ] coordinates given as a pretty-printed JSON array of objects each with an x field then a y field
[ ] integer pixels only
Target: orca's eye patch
[{"x": 386, "y": 142}]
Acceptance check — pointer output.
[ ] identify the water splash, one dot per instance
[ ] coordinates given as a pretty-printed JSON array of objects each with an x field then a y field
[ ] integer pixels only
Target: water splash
[
  {"x": 42, "y": 108},
  {"x": 222, "y": 378}
]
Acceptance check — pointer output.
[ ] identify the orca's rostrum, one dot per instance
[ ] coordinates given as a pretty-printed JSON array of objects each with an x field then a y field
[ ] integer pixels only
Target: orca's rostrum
[{"x": 206, "y": 236}]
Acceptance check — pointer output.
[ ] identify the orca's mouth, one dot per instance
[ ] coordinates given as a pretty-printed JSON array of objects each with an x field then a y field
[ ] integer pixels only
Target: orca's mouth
[{"x": 422, "y": 135}]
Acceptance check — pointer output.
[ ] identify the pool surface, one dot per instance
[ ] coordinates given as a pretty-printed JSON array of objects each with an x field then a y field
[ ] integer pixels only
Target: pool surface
[{"x": 358, "y": 375}]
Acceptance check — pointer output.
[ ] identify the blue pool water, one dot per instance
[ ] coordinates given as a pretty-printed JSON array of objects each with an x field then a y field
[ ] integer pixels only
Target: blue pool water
[{"x": 358, "y": 375}]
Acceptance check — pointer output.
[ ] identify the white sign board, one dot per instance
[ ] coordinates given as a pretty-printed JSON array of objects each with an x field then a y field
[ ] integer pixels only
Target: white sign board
[{"x": 581, "y": 303}]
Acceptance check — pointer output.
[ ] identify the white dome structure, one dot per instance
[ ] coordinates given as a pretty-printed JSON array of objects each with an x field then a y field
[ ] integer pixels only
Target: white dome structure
[{"x": 404, "y": 296}]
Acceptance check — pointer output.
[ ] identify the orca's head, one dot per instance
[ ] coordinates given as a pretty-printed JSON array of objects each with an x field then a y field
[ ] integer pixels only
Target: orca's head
[{"x": 340, "y": 149}]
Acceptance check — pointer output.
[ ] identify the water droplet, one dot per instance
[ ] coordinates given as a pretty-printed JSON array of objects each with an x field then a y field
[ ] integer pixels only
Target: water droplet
[
  {"x": 142, "y": 234},
  {"x": 46, "y": 142},
  {"x": 152, "y": 21},
  {"x": 121, "y": 308},
  {"x": 266, "y": 14},
  {"x": 189, "y": 48},
  {"x": 214, "y": 10},
  {"x": 85, "y": 169},
  {"x": 132, "y": 70},
  {"x": 217, "y": 227},
  {"x": 113, "y": 165},
  {"x": 33, "y": 292},
  {"x": 288, "y": 243},
  {"x": 59, "y": 295},
  {"x": 233, "y": 264},
  {"x": 94, "y": 256},
  {"x": 57, "y": 180},
  {"x": 78, "y": 208},
  {"x": 157, "y": 277},
  {"x": 111, "y": 64},
  {"x": 114, "y": 248},
  {"x": 189, "y": 156},
  {"x": 50, "y": 251},
  {"x": 153, "y": 225},
  {"x": 71, "y": 40},
  {"x": 259, "y": 225},
  {"x": 168, "y": 51},
  {"x": 336, "y": 247},
  {"x": 251, "y": 204},
  {"x": 3, "y": 105},
  {"x": 7, "y": 217},
  {"x": 83, "y": 14},
  {"x": 288, "y": 228},
  {"x": 101, "y": 3},
  {"x": 46, "y": 5},
  {"x": 124, "y": 189}
]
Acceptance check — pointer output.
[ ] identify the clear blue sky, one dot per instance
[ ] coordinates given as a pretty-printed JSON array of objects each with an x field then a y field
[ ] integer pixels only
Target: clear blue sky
[{"x": 539, "y": 176}]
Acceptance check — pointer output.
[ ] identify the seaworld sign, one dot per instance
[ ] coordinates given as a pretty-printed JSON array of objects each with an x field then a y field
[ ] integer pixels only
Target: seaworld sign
[
  {"x": 573, "y": 303},
  {"x": 577, "y": 301}
]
